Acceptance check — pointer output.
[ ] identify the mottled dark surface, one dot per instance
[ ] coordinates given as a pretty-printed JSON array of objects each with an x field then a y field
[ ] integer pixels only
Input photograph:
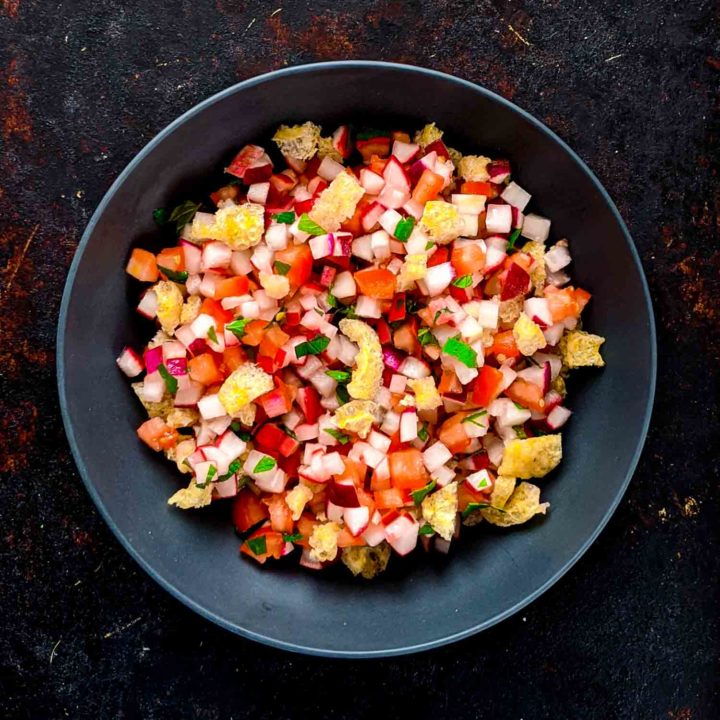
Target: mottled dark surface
[{"x": 633, "y": 630}]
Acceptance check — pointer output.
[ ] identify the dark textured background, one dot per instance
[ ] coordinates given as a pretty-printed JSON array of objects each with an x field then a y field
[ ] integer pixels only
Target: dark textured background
[{"x": 633, "y": 630}]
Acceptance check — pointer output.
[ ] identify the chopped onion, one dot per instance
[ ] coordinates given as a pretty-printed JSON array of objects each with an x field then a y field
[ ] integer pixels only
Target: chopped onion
[
  {"x": 536, "y": 227},
  {"x": 557, "y": 257},
  {"x": 329, "y": 169},
  {"x": 514, "y": 195},
  {"x": 436, "y": 455},
  {"x": 372, "y": 182},
  {"x": 498, "y": 218},
  {"x": 439, "y": 277}
]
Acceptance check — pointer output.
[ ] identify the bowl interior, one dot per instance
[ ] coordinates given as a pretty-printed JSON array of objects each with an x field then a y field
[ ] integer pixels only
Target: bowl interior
[{"x": 421, "y": 601}]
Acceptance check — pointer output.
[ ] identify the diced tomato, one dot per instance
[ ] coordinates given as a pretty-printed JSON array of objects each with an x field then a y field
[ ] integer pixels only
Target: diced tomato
[
  {"x": 379, "y": 146},
  {"x": 391, "y": 498},
  {"x": 354, "y": 224},
  {"x": 562, "y": 303},
  {"x": 467, "y": 259},
  {"x": 309, "y": 401},
  {"x": 452, "y": 433},
  {"x": 383, "y": 332},
  {"x": 377, "y": 164},
  {"x": 346, "y": 539},
  {"x": 527, "y": 394},
  {"x": 248, "y": 510},
  {"x": 254, "y": 332},
  {"x": 171, "y": 259},
  {"x": 475, "y": 187},
  {"x": 504, "y": 346},
  {"x": 215, "y": 310},
  {"x": 203, "y": 369},
  {"x": 300, "y": 260},
  {"x": 305, "y": 526},
  {"x": 438, "y": 257},
  {"x": 407, "y": 469},
  {"x": 467, "y": 494},
  {"x": 401, "y": 136},
  {"x": 233, "y": 357},
  {"x": 376, "y": 283},
  {"x": 280, "y": 514},
  {"x": 449, "y": 382},
  {"x": 516, "y": 282},
  {"x": 428, "y": 187},
  {"x": 273, "y": 339},
  {"x": 232, "y": 287},
  {"x": 355, "y": 471},
  {"x": 405, "y": 338},
  {"x": 377, "y": 483},
  {"x": 582, "y": 298},
  {"x": 487, "y": 386},
  {"x": 397, "y": 308},
  {"x": 157, "y": 434},
  {"x": 142, "y": 265},
  {"x": 276, "y": 402},
  {"x": 274, "y": 544}
]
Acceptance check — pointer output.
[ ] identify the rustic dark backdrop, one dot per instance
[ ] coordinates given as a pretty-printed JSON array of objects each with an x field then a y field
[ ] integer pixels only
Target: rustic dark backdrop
[{"x": 632, "y": 631}]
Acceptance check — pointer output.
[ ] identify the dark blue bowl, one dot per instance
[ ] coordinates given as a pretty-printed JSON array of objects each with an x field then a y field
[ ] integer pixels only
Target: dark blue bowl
[{"x": 422, "y": 601}]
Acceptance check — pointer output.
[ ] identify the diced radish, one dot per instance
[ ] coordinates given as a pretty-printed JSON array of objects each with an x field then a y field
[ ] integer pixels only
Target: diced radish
[
  {"x": 215, "y": 255},
  {"x": 379, "y": 441},
  {"x": 514, "y": 195},
  {"x": 391, "y": 423},
  {"x": 357, "y": 519},
  {"x": 152, "y": 358},
  {"x": 498, "y": 218},
  {"x": 344, "y": 285},
  {"x": 322, "y": 245},
  {"x": 554, "y": 333},
  {"x": 210, "y": 407},
  {"x": 557, "y": 257},
  {"x": 402, "y": 534},
  {"x": 240, "y": 263},
  {"x": 509, "y": 376},
  {"x": 471, "y": 225},
  {"x": 189, "y": 392},
  {"x": 555, "y": 362},
  {"x": 536, "y": 227},
  {"x": 404, "y": 152},
  {"x": 414, "y": 368},
  {"x": 258, "y": 193},
  {"x": 427, "y": 162},
  {"x": 380, "y": 240},
  {"x": 480, "y": 481},
  {"x": 436, "y": 455},
  {"x": 469, "y": 204},
  {"x": 226, "y": 488},
  {"x": 153, "y": 387},
  {"x": 408, "y": 426},
  {"x": 176, "y": 366},
  {"x": 396, "y": 177},
  {"x": 496, "y": 253},
  {"x": 262, "y": 258},
  {"x": 329, "y": 169},
  {"x": 508, "y": 414},
  {"x": 552, "y": 400},
  {"x": 538, "y": 310},
  {"x": 276, "y": 236},
  {"x": 192, "y": 255},
  {"x": 272, "y": 482},
  {"x": 414, "y": 208},
  {"x": 438, "y": 278},
  {"x": 362, "y": 247},
  {"x": 371, "y": 216},
  {"x": 388, "y": 222},
  {"x": 251, "y": 164},
  {"x": 392, "y": 197},
  {"x": 148, "y": 305},
  {"x": 557, "y": 417},
  {"x": 499, "y": 171},
  {"x": 398, "y": 383},
  {"x": 193, "y": 283},
  {"x": 540, "y": 376},
  {"x": 367, "y": 307},
  {"x": 130, "y": 362},
  {"x": 334, "y": 512},
  {"x": 341, "y": 140},
  {"x": 374, "y": 534}
]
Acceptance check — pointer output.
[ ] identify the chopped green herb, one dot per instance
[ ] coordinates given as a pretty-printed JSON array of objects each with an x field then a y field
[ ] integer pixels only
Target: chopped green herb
[
  {"x": 288, "y": 432},
  {"x": 235, "y": 426},
  {"x": 183, "y": 214},
  {"x": 426, "y": 529},
  {"x": 474, "y": 418},
  {"x": 212, "y": 472},
  {"x": 520, "y": 432},
  {"x": 308, "y": 226},
  {"x": 286, "y": 218},
  {"x": 234, "y": 466},
  {"x": 281, "y": 268},
  {"x": 411, "y": 304},
  {"x": 297, "y": 537},
  {"x": 423, "y": 433},
  {"x": 342, "y": 394},
  {"x": 332, "y": 300},
  {"x": 404, "y": 228},
  {"x": 341, "y": 376},
  {"x": 371, "y": 134},
  {"x": 425, "y": 336},
  {"x": 171, "y": 383},
  {"x": 212, "y": 334},
  {"x": 472, "y": 507},
  {"x": 437, "y": 315},
  {"x": 242, "y": 434},
  {"x": 462, "y": 351},
  {"x": 429, "y": 244},
  {"x": 174, "y": 275},
  {"x": 341, "y": 437},
  {"x": 464, "y": 281},
  {"x": 237, "y": 327},
  {"x": 312, "y": 347},
  {"x": 514, "y": 235},
  {"x": 160, "y": 216},
  {"x": 518, "y": 405},
  {"x": 265, "y": 464},
  {"x": 257, "y": 544},
  {"x": 419, "y": 495}
]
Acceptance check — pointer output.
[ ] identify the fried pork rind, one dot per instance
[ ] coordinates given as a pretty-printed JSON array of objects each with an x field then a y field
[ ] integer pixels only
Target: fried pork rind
[
  {"x": 414, "y": 268},
  {"x": 429, "y": 134},
  {"x": 299, "y": 142},
  {"x": 366, "y": 561},
  {"x": 337, "y": 202},
  {"x": 427, "y": 396},
  {"x": 182, "y": 417},
  {"x": 243, "y": 386},
  {"x": 192, "y": 496},
  {"x": 327, "y": 149},
  {"x": 441, "y": 221},
  {"x": 154, "y": 409},
  {"x": 440, "y": 510},
  {"x": 473, "y": 168},
  {"x": 239, "y": 226},
  {"x": 510, "y": 310},
  {"x": 581, "y": 349},
  {"x": 191, "y": 309},
  {"x": 276, "y": 286},
  {"x": 533, "y": 457},
  {"x": 537, "y": 273},
  {"x": 528, "y": 335},
  {"x": 183, "y": 450},
  {"x": 357, "y": 416},
  {"x": 367, "y": 375},
  {"x": 323, "y": 542},
  {"x": 501, "y": 492},
  {"x": 169, "y": 305},
  {"x": 523, "y": 504},
  {"x": 455, "y": 155},
  {"x": 297, "y": 499}
]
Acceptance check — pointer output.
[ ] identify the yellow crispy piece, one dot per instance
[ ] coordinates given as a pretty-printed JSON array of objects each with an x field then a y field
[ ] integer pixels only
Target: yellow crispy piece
[
  {"x": 558, "y": 384},
  {"x": 158, "y": 339},
  {"x": 276, "y": 286},
  {"x": 183, "y": 450},
  {"x": 169, "y": 305},
  {"x": 501, "y": 492},
  {"x": 528, "y": 336},
  {"x": 327, "y": 149},
  {"x": 429, "y": 134},
  {"x": 192, "y": 496},
  {"x": 536, "y": 250},
  {"x": 414, "y": 268},
  {"x": 239, "y": 226},
  {"x": 510, "y": 310},
  {"x": 243, "y": 386},
  {"x": 323, "y": 542},
  {"x": 367, "y": 375},
  {"x": 297, "y": 498},
  {"x": 473, "y": 168},
  {"x": 455, "y": 155},
  {"x": 154, "y": 409},
  {"x": 337, "y": 202},
  {"x": 581, "y": 349},
  {"x": 357, "y": 416},
  {"x": 531, "y": 458},
  {"x": 440, "y": 510},
  {"x": 426, "y": 395},
  {"x": 182, "y": 417},
  {"x": 298, "y": 141},
  {"x": 441, "y": 221},
  {"x": 521, "y": 507},
  {"x": 191, "y": 309},
  {"x": 246, "y": 415},
  {"x": 366, "y": 561}
]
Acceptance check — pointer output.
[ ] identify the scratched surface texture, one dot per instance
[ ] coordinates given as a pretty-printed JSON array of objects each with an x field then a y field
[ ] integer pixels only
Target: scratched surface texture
[{"x": 633, "y": 631}]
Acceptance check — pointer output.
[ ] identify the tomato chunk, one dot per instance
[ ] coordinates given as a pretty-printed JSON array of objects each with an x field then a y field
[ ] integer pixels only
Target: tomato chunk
[
  {"x": 487, "y": 385},
  {"x": 248, "y": 510},
  {"x": 376, "y": 283},
  {"x": 142, "y": 265},
  {"x": 300, "y": 260},
  {"x": 407, "y": 469}
]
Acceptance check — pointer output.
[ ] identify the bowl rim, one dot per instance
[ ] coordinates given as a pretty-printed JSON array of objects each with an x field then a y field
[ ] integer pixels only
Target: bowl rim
[{"x": 69, "y": 429}]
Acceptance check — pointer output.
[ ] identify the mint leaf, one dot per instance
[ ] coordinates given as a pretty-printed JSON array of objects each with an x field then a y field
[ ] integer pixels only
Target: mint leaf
[
  {"x": 462, "y": 351},
  {"x": 183, "y": 214},
  {"x": 464, "y": 281},
  {"x": 312, "y": 347},
  {"x": 341, "y": 437},
  {"x": 265, "y": 464},
  {"x": 308, "y": 226},
  {"x": 419, "y": 495},
  {"x": 237, "y": 327},
  {"x": 170, "y": 382},
  {"x": 286, "y": 218},
  {"x": 179, "y": 276},
  {"x": 281, "y": 268},
  {"x": 257, "y": 544},
  {"x": 342, "y": 376}
]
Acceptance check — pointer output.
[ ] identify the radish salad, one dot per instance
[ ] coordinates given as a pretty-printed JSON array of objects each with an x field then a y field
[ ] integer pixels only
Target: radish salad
[{"x": 361, "y": 345}]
